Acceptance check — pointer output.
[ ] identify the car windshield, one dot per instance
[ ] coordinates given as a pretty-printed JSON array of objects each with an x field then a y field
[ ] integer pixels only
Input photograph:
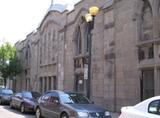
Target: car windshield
[
  {"x": 7, "y": 92},
  {"x": 31, "y": 95},
  {"x": 74, "y": 98}
]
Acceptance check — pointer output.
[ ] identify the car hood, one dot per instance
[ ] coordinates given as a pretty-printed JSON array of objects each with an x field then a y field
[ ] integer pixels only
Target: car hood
[{"x": 87, "y": 107}]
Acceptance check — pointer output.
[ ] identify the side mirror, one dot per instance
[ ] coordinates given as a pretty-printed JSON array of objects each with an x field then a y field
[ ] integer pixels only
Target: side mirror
[{"x": 92, "y": 102}]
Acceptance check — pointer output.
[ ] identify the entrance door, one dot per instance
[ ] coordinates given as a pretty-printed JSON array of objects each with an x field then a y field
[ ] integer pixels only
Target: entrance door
[{"x": 147, "y": 84}]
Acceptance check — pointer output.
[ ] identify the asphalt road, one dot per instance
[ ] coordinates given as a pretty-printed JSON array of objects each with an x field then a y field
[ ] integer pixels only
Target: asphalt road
[{"x": 6, "y": 112}]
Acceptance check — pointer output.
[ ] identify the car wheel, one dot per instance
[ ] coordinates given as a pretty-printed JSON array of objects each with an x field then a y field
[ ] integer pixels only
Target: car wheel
[
  {"x": 38, "y": 113},
  {"x": 22, "y": 108},
  {"x": 64, "y": 115}
]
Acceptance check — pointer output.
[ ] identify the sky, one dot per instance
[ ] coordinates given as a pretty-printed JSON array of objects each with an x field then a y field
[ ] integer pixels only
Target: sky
[{"x": 18, "y": 18}]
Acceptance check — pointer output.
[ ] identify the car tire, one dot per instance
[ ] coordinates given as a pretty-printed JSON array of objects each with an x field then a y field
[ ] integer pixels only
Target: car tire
[
  {"x": 22, "y": 108},
  {"x": 38, "y": 113},
  {"x": 64, "y": 115}
]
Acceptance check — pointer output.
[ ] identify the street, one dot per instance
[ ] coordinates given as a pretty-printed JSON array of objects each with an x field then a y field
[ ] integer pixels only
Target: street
[{"x": 6, "y": 112}]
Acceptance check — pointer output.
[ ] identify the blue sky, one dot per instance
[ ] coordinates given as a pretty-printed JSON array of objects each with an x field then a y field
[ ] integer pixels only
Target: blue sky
[{"x": 20, "y": 17}]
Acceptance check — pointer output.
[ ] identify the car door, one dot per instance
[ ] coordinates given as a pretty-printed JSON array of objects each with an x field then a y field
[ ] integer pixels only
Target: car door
[
  {"x": 16, "y": 99},
  {"x": 44, "y": 105},
  {"x": 54, "y": 105},
  {"x": 19, "y": 100}
]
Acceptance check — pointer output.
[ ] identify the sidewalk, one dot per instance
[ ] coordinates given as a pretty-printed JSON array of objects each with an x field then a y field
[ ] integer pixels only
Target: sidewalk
[{"x": 114, "y": 114}]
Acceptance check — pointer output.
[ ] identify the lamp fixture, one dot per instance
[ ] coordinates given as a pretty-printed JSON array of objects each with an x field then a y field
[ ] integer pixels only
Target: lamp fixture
[
  {"x": 93, "y": 10},
  {"x": 88, "y": 17}
]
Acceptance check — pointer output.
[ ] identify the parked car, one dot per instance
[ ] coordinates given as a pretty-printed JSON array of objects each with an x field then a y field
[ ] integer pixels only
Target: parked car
[
  {"x": 25, "y": 101},
  {"x": 5, "y": 95},
  {"x": 149, "y": 108},
  {"x": 60, "y": 104}
]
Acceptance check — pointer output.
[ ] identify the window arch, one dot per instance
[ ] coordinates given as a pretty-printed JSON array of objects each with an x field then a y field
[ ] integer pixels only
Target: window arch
[
  {"x": 147, "y": 22},
  {"x": 78, "y": 41},
  {"x": 86, "y": 39},
  {"x": 28, "y": 51}
]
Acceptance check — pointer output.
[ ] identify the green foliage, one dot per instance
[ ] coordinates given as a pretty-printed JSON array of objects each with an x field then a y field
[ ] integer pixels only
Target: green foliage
[
  {"x": 9, "y": 64},
  {"x": 6, "y": 52},
  {"x": 14, "y": 67},
  {"x": 4, "y": 70}
]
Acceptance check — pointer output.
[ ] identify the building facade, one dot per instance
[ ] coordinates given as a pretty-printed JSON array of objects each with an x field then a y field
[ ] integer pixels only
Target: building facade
[{"x": 125, "y": 52}]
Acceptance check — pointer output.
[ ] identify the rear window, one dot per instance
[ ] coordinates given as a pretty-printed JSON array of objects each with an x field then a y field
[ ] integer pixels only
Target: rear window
[{"x": 7, "y": 92}]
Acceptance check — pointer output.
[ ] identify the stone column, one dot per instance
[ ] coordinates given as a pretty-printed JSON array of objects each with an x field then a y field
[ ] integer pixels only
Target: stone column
[
  {"x": 40, "y": 84},
  {"x": 47, "y": 82},
  {"x": 52, "y": 79},
  {"x": 43, "y": 82},
  {"x": 156, "y": 71},
  {"x": 27, "y": 83},
  {"x": 156, "y": 81}
]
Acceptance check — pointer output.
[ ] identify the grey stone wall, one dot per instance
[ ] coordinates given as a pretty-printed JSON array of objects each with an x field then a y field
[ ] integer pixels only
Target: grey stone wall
[{"x": 115, "y": 72}]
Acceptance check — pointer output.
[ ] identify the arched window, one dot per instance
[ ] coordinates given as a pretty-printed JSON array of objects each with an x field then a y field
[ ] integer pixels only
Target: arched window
[
  {"x": 86, "y": 39},
  {"x": 28, "y": 53},
  {"x": 147, "y": 22},
  {"x": 78, "y": 41}
]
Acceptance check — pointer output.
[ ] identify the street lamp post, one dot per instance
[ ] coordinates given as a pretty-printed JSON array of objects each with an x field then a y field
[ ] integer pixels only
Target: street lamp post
[{"x": 89, "y": 17}]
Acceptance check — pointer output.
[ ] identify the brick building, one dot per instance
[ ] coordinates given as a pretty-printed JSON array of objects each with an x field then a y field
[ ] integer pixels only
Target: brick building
[{"x": 125, "y": 52}]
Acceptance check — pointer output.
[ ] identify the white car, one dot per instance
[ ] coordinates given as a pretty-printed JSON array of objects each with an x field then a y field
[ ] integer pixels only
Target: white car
[{"x": 149, "y": 108}]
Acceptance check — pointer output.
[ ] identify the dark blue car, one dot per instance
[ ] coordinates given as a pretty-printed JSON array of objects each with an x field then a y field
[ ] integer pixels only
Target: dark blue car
[
  {"x": 26, "y": 101},
  {"x": 5, "y": 95}
]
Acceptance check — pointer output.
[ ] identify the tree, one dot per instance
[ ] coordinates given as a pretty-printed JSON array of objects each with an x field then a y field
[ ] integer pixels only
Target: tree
[
  {"x": 9, "y": 64},
  {"x": 14, "y": 66}
]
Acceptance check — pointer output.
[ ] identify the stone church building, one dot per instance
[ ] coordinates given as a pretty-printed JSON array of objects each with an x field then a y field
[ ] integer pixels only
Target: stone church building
[{"x": 125, "y": 52}]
